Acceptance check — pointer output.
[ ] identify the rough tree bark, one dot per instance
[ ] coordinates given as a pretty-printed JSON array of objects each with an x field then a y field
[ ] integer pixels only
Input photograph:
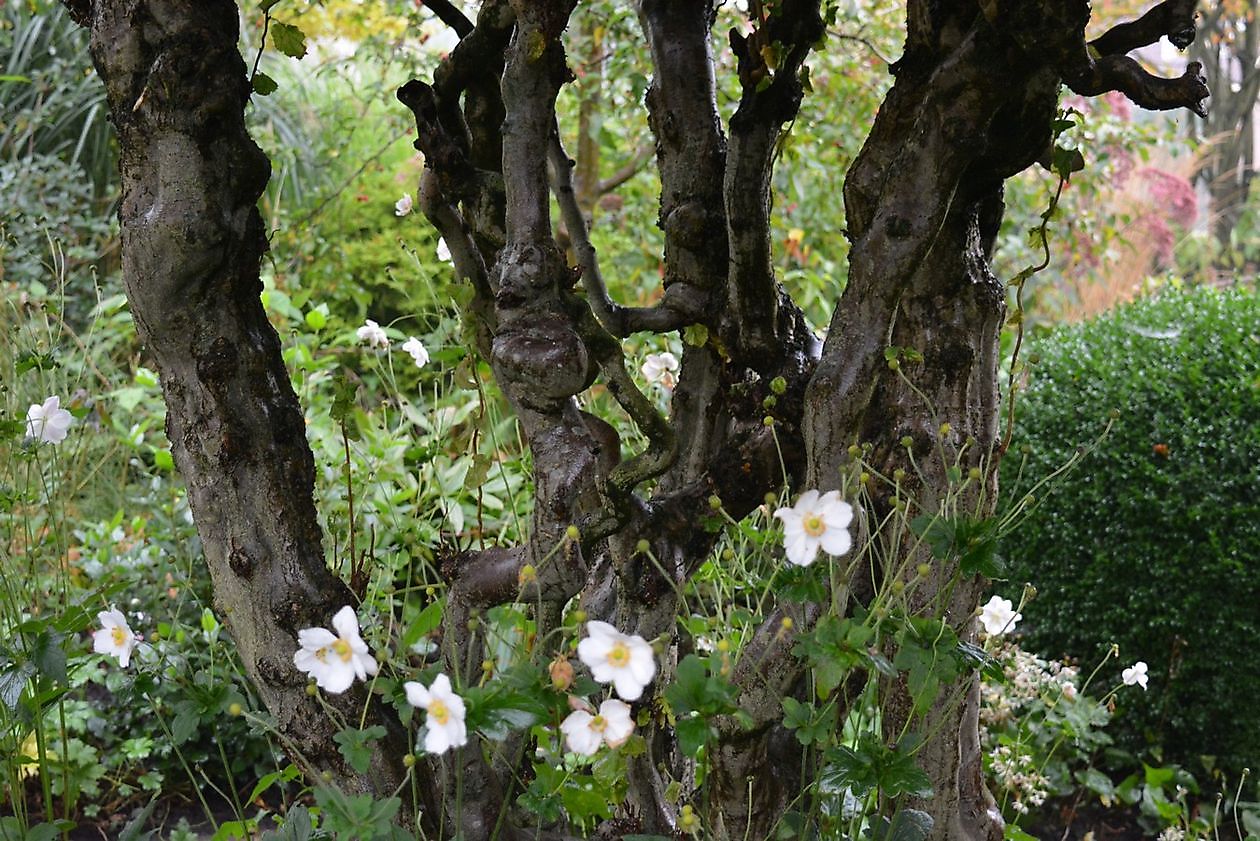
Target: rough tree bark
[{"x": 973, "y": 103}]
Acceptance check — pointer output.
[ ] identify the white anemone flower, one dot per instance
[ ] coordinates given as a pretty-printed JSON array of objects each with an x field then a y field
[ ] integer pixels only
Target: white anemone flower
[
  {"x": 444, "y": 714},
  {"x": 659, "y": 369},
  {"x": 624, "y": 661},
  {"x": 47, "y": 421},
  {"x": 373, "y": 334},
  {"x": 115, "y": 636},
  {"x": 998, "y": 616},
  {"x": 416, "y": 349},
  {"x": 444, "y": 251},
  {"x": 335, "y": 660},
  {"x": 1135, "y": 675},
  {"x": 612, "y": 725},
  {"x": 403, "y": 206},
  {"x": 816, "y": 521}
]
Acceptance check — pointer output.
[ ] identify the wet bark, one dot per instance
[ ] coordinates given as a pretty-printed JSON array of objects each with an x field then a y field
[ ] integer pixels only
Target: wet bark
[{"x": 192, "y": 239}]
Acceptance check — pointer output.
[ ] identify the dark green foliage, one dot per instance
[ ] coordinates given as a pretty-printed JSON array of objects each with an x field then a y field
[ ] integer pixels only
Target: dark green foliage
[{"x": 1154, "y": 543}]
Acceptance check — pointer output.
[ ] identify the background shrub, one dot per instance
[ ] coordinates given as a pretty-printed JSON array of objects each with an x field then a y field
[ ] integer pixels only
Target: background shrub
[{"x": 1155, "y": 543}]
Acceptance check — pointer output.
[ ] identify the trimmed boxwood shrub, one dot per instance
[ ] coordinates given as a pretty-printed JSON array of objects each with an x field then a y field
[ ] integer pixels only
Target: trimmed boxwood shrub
[{"x": 1153, "y": 542}]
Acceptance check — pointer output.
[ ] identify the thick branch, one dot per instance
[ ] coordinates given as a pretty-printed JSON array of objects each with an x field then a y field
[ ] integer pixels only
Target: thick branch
[
  {"x": 1155, "y": 93},
  {"x": 451, "y": 16},
  {"x": 771, "y": 97},
  {"x": 1174, "y": 18}
]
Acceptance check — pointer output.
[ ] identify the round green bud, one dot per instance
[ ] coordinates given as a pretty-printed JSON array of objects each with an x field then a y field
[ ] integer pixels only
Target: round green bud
[
  {"x": 572, "y": 533},
  {"x": 770, "y": 402},
  {"x": 907, "y": 441},
  {"x": 924, "y": 570},
  {"x": 642, "y": 547},
  {"x": 946, "y": 429},
  {"x": 854, "y": 451},
  {"x": 312, "y": 689},
  {"x": 409, "y": 760},
  {"x": 778, "y": 385},
  {"x": 768, "y": 421},
  {"x": 579, "y": 616},
  {"x": 770, "y": 498},
  {"x": 899, "y": 474},
  {"x": 974, "y": 474},
  {"x": 894, "y": 365},
  {"x": 715, "y": 502},
  {"x": 728, "y": 554},
  {"x": 235, "y": 709}
]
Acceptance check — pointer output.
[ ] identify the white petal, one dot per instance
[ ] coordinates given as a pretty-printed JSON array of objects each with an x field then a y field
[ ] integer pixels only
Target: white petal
[
  {"x": 336, "y": 678},
  {"x": 642, "y": 662},
  {"x": 313, "y": 638},
  {"x": 578, "y": 735},
  {"x": 417, "y": 695},
  {"x": 627, "y": 687},
  {"x": 835, "y": 541},
  {"x": 593, "y": 651},
  {"x": 437, "y": 740},
  {"x": 441, "y": 686},
  {"x": 347, "y": 624}
]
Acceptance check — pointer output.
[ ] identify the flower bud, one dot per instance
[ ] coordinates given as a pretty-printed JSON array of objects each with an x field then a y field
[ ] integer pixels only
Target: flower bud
[
  {"x": 894, "y": 365},
  {"x": 899, "y": 474},
  {"x": 924, "y": 570},
  {"x": 854, "y": 451},
  {"x": 234, "y": 709},
  {"x": 728, "y": 554},
  {"x": 409, "y": 760},
  {"x": 572, "y": 533},
  {"x": 561, "y": 671},
  {"x": 579, "y": 616},
  {"x": 787, "y": 623},
  {"x": 974, "y": 474},
  {"x": 527, "y": 575},
  {"x": 778, "y": 385},
  {"x": 768, "y": 421},
  {"x": 770, "y": 402},
  {"x": 946, "y": 429},
  {"x": 715, "y": 502},
  {"x": 312, "y": 689},
  {"x": 907, "y": 441},
  {"x": 770, "y": 498}
]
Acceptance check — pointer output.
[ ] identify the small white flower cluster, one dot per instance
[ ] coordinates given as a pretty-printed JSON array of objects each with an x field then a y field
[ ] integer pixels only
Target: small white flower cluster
[
  {"x": 816, "y": 521},
  {"x": 1172, "y": 833},
  {"x": 1016, "y": 772},
  {"x": 402, "y": 207},
  {"x": 626, "y": 661},
  {"x": 48, "y": 422},
  {"x": 1028, "y": 678},
  {"x": 374, "y": 336}
]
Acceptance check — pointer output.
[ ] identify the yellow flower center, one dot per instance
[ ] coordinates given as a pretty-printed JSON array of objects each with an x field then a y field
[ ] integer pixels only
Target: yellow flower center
[
  {"x": 342, "y": 649},
  {"x": 813, "y": 525},
  {"x": 598, "y": 723},
  {"x": 438, "y": 712},
  {"x": 619, "y": 656},
  {"x": 119, "y": 636}
]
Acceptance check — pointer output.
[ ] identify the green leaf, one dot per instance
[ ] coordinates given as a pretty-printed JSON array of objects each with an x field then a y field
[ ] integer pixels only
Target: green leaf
[
  {"x": 1067, "y": 161},
  {"x": 696, "y": 335},
  {"x": 132, "y": 831},
  {"x": 264, "y": 85},
  {"x": 693, "y": 733},
  {"x": 288, "y": 39},
  {"x": 356, "y": 745},
  {"x": 906, "y": 825},
  {"x": 49, "y": 657},
  {"x": 163, "y": 460},
  {"x": 317, "y": 318},
  {"x": 686, "y": 693},
  {"x": 184, "y": 725},
  {"x": 13, "y": 680}
]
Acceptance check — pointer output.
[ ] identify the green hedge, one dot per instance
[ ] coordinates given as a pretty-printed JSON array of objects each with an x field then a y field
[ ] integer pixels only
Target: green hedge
[{"x": 1153, "y": 542}]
